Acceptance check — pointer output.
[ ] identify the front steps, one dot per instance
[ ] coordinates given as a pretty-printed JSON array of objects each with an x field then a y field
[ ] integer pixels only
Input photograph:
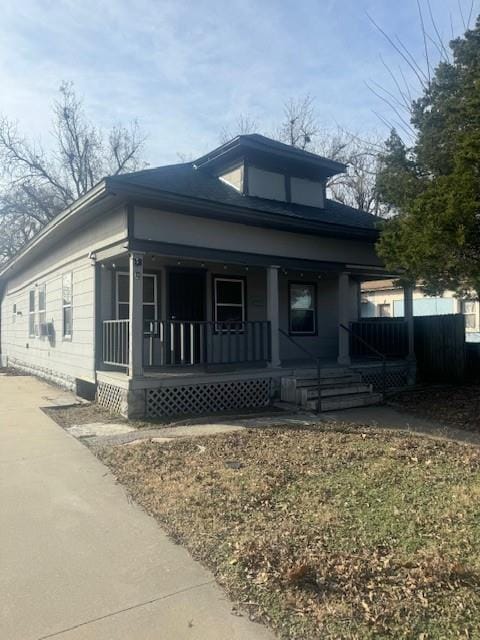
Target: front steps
[{"x": 340, "y": 388}]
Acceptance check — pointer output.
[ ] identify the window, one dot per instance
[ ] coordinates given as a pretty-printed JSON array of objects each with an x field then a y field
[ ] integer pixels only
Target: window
[
  {"x": 229, "y": 301},
  {"x": 122, "y": 296},
  {"x": 384, "y": 310},
  {"x": 468, "y": 310},
  {"x": 42, "y": 310},
  {"x": 14, "y": 313},
  {"x": 67, "y": 305},
  {"x": 302, "y": 311},
  {"x": 31, "y": 313},
  {"x": 149, "y": 296}
]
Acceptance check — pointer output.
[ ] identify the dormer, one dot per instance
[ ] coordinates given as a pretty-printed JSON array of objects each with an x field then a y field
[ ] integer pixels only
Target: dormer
[{"x": 259, "y": 167}]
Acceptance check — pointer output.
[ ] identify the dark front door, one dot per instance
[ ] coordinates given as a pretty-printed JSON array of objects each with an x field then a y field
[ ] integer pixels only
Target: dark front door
[{"x": 186, "y": 304}]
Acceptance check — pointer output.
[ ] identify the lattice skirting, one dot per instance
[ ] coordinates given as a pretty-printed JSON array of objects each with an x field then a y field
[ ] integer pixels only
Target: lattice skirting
[
  {"x": 207, "y": 398},
  {"x": 110, "y": 397},
  {"x": 395, "y": 378}
]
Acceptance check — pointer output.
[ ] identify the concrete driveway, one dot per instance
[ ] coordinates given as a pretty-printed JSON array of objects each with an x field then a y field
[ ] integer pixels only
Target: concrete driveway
[{"x": 77, "y": 559}]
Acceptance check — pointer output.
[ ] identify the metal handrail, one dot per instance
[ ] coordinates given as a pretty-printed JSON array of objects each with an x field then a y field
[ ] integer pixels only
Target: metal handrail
[
  {"x": 378, "y": 353},
  {"x": 312, "y": 357}
]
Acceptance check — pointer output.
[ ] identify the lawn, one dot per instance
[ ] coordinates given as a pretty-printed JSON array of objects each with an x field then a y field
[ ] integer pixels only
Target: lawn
[
  {"x": 454, "y": 405},
  {"x": 329, "y": 532}
]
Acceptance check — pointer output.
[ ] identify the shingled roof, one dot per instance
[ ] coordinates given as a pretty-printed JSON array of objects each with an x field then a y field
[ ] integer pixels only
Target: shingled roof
[{"x": 188, "y": 181}]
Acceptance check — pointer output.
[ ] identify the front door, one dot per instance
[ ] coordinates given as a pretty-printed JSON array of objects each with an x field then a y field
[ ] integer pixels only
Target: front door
[{"x": 186, "y": 304}]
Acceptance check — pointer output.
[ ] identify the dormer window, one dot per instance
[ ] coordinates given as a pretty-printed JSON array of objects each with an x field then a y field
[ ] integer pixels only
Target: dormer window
[
  {"x": 266, "y": 184},
  {"x": 262, "y": 168},
  {"x": 234, "y": 178}
]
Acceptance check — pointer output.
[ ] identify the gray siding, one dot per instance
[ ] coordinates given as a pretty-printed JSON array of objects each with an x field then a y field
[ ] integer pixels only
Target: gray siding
[
  {"x": 58, "y": 359},
  {"x": 152, "y": 224}
]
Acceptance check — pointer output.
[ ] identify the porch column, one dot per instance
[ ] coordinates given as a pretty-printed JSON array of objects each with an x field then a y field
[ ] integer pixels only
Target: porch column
[
  {"x": 408, "y": 310},
  {"x": 343, "y": 318},
  {"x": 135, "y": 349},
  {"x": 273, "y": 311}
]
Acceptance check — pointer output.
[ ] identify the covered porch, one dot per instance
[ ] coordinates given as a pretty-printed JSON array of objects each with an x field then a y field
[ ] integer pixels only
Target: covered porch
[{"x": 170, "y": 317}]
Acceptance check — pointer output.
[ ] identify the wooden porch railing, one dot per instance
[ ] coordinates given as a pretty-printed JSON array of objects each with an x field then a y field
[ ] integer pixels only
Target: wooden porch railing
[
  {"x": 185, "y": 343},
  {"x": 116, "y": 339},
  {"x": 388, "y": 336},
  {"x": 176, "y": 343}
]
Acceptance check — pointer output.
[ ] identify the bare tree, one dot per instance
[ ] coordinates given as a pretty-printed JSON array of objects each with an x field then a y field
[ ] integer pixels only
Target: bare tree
[
  {"x": 413, "y": 75},
  {"x": 36, "y": 184},
  {"x": 300, "y": 128},
  {"x": 300, "y": 124},
  {"x": 357, "y": 186},
  {"x": 244, "y": 124}
]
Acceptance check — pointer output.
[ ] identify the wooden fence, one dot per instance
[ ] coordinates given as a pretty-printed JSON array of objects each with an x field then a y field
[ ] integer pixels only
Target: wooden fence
[{"x": 440, "y": 348}]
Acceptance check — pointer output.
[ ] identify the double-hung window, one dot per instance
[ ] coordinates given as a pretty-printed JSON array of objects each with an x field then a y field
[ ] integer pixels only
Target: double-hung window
[
  {"x": 42, "y": 306},
  {"x": 67, "y": 305},
  {"x": 229, "y": 303},
  {"x": 31, "y": 313},
  {"x": 468, "y": 310},
  {"x": 302, "y": 308},
  {"x": 149, "y": 298}
]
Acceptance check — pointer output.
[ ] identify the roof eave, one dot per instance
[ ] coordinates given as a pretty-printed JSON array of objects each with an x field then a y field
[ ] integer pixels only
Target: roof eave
[
  {"x": 253, "y": 217},
  {"x": 329, "y": 167},
  {"x": 91, "y": 196}
]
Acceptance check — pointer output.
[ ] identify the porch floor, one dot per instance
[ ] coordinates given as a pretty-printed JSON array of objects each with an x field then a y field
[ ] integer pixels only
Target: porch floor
[{"x": 171, "y": 376}]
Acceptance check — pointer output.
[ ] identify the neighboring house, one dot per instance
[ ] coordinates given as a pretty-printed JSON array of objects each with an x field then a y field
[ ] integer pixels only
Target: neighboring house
[
  {"x": 382, "y": 299},
  {"x": 193, "y": 287}
]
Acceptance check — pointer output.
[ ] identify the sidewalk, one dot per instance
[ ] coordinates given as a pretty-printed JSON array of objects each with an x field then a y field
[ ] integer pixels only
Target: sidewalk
[{"x": 78, "y": 560}]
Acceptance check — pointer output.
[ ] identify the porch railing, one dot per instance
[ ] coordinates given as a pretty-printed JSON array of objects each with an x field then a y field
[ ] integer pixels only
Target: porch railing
[
  {"x": 116, "y": 339},
  {"x": 388, "y": 336},
  {"x": 189, "y": 343}
]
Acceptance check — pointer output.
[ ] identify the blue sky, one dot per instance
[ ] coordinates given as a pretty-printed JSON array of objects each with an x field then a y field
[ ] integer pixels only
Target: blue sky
[{"x": 187, "y": 68}]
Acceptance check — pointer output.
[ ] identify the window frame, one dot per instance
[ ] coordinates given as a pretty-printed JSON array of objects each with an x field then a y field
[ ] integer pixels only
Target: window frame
[
  {"x": 67, "y": 336},
  {"x": 153, "y": 304},
  {"x": 314, "y": 332},
  {"x": 469, "y": 314},
  {"x": 215, "y": 304},
  {"x": 42, "y": 311},
  {"x": 382, "y": 306},
  {"x": 31, "y": 313}
]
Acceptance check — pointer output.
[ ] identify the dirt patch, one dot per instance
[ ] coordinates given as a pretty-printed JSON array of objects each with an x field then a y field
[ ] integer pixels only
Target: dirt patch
[
  {"x": 81, "y": 414},
  {"x": 455, "y": 406},
  {"x": 336, "y": 531}
]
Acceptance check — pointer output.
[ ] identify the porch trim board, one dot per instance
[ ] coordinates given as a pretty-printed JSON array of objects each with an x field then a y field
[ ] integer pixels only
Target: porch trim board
[{"x": 206, "y": 254}]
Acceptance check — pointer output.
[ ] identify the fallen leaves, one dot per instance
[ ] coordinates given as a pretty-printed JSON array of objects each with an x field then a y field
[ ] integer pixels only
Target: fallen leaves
[{"x": 357, "y": 534}]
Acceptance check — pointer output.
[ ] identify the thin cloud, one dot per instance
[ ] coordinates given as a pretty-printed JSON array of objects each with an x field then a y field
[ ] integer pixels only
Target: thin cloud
[{"x": 187, "y": 69}]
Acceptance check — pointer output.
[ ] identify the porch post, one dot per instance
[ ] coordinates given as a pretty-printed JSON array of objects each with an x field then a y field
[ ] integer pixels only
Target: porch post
[
  {"x": 273, "y": 312},
  {"x": 408, "y": 310},
  {"x": 135, "y": 349},
  {"x": 343, "y": 318}
]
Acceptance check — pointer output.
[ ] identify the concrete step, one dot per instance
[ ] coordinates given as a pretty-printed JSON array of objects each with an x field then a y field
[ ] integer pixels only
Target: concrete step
[
  {"x": 325, "y": 372},
  {"x": 304, "y": 395},
  {"x": 346, "y": 402},
  {"x": 353, "y": 378},
  {"x": 290, "y": 386}
]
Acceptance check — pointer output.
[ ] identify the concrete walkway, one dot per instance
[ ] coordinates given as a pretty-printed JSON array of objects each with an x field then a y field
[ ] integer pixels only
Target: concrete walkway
[
  {"x": 78, "y": 561},
  {"x": 388, "y": 417}
]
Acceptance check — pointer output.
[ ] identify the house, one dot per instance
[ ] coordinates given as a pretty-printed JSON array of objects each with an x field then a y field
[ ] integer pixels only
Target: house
[
  {"x": 384, "y": 299},
  {"x": 199, "y": 287}
]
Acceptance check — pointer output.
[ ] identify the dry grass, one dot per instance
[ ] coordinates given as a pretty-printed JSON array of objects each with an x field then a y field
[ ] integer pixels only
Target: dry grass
[
  {"x": 453, "y": 405},
  {"x": 324, "y": 533},
  {"x": 81, "y": 414}
]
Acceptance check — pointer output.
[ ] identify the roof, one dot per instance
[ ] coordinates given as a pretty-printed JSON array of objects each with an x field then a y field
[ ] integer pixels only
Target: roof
[
  {"x": 186, "y": 180},
  {"x": 256, "y": 143},
  {"x": 188, "y": 188}
]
